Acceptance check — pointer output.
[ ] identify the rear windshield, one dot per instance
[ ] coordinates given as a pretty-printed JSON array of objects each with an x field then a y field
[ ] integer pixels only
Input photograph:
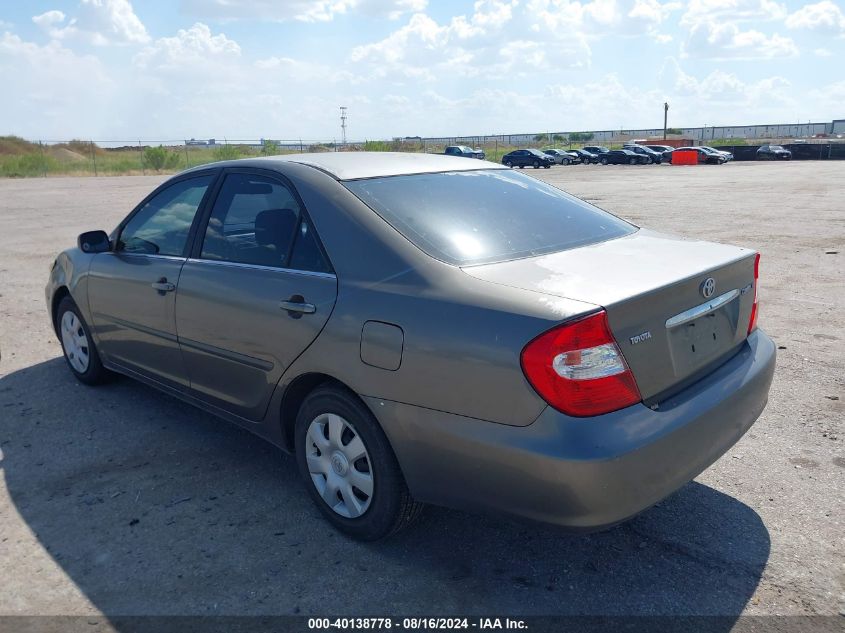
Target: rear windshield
[{"x": 485, "y": 216}]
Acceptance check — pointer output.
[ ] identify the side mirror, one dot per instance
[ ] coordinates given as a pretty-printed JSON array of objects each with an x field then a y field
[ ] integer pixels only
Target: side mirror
[{"x": 94, "y": 242}]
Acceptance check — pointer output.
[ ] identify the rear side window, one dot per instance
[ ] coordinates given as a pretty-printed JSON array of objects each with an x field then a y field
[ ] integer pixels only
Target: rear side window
[
  {"x": 485, "y": 216},
  {"x": 257, "y": 220},
  {"x": 253, "y": 221}
]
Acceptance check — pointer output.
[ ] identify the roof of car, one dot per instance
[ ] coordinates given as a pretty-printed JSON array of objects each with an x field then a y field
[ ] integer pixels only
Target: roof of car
[{"x": 355, "y": 165}]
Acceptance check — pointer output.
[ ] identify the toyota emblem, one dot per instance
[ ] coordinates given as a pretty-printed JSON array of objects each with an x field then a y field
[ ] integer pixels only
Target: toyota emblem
[{"x": 708, "y": 287}]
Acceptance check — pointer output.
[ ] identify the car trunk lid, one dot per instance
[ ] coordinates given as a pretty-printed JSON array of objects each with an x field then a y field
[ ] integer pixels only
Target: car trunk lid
[{"x": 671, "y": 323}]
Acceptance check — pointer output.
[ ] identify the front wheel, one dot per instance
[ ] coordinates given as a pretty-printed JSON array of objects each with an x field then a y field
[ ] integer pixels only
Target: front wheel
[
  {"x": 78, "y": 345},
  {"x": 604, "y": 161},
  {"x": 536, "y": 164},
  {"x": 633, "y": 161},
  {"x": 508, "y": 163},
  {"x": 349, "y": 468}
]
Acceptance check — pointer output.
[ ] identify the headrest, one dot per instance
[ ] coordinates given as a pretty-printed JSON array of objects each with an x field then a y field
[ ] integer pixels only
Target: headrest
[{"x": 274, "y": 227}]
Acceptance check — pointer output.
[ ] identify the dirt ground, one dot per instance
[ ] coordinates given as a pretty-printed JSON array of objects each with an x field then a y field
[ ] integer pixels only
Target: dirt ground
[{"x": 120, "y": 500}]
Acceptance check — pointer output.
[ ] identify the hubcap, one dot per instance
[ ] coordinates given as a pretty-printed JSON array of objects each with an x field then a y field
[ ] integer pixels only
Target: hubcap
[
  {"x": 339, "y": 465},
  {"x": 74, "y": 342}
]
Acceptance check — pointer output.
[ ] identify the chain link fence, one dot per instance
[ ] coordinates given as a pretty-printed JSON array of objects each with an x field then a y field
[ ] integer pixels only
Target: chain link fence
[{"x": 33, "y": 158}]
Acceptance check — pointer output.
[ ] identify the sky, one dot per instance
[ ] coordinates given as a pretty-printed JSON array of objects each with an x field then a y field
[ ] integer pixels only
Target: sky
[{"x": 247, "y": 69}]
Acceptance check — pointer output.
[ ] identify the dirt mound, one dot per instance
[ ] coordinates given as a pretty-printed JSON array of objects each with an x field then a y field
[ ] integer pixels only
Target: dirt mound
[
  {"x": 12, "y": 145},
  {"x": 64, "y": 154}
]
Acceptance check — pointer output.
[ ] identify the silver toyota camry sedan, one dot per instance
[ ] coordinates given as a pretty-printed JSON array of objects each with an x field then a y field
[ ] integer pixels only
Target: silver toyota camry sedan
[{"x": 426, "y": 329}]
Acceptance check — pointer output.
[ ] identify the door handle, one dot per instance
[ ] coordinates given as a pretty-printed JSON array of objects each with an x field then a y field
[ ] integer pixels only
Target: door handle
[
  {"x": 297, "y": 304},
  {"x": 162, "y": 285}
]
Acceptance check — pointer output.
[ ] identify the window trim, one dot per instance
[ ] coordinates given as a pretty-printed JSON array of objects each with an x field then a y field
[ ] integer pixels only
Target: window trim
[
  {"x": 292, "y": 271},
  {"x": 195, "y": 251},
  {"x": 118, "y": 231}
]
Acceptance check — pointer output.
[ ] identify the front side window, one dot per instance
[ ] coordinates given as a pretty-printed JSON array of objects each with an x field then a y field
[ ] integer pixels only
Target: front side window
[
  {"x": 257, "y": 220},
  {"x": 484, "y": 216},
  {"x": 162, "y": 225}
]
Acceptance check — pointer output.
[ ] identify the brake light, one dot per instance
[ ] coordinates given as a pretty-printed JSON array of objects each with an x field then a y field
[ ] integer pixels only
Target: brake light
[
  {"x": 752, "y": 322},
  {"x": 578, "y": 368}
]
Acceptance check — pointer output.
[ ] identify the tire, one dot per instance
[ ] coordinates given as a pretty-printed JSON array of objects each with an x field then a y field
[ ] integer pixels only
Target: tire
[
  {"x": 604, "y": 161},
  {"x": 332, "y": 416},
  {"x": 508, "y": 164},
  {"x": 522, "y": 166},
  {"x": 536, "y": 164},
  {"x": 78, "y": 346},
  {"x": 546, "y": 166},
  {"x": 633, "y": 161}
]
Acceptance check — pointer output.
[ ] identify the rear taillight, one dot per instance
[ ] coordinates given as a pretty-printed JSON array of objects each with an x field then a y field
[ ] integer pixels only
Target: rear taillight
[
  {"x": 578, "y": 369},
  {"x": 752, "y": 322}
]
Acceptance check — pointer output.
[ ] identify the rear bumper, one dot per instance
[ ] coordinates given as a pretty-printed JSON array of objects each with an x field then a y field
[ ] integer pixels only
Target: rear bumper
[{"x": 580, "y": 473}]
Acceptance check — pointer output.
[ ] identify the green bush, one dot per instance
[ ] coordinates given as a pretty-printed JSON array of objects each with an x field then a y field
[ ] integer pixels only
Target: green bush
[
  {"x": 377, "y": 146},
  {"x": 270, "y": 148},
  {"x": 159, "y": 158},
  {"x": 24, "y": 165},
  {"x": 227, "y": 152}
]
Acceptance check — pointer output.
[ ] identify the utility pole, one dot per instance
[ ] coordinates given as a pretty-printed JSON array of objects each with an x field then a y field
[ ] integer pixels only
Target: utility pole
[
  {"x": 665, "y": 118},
  {"x": 343, "y": 124}
]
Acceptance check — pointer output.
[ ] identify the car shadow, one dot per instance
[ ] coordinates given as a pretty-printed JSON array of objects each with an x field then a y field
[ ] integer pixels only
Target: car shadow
[{"x": 152, "y": 507}]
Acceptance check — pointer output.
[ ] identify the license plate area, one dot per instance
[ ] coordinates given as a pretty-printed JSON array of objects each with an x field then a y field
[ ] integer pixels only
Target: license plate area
[{"x": 695, "y": 342}]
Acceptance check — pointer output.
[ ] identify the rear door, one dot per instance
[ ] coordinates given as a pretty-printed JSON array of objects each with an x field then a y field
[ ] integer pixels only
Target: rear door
[
  {"x": 132, "y": 290},
  {"x": 256, "y": 292}
]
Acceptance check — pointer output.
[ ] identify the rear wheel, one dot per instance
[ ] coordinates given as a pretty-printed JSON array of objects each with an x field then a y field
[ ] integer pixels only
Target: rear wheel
[
  {"x": 78, "y": 345},
  {"x": 349, "y": 468},
  {"x": 508, "y": 163}
]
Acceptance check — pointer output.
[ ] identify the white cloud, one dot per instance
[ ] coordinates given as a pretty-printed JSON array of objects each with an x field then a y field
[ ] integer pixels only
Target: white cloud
[
  {"x": 189, "y": 48},
  {"x": 300, "y": 10},
  {"x": 46, "y": 83},
  {"x": 49, "y": 18},
  {"x": 721, "y": 41},
  {"x": 492, "y": 42},
  {"x": 720, "y": 88},
  {"x": 822, "y": 17},
  {"x": 99, "y": 22},
  {"x": 732, "y": 11},
  {"x": 822, "y": 52},
  {"x": 600, "y": 17}
]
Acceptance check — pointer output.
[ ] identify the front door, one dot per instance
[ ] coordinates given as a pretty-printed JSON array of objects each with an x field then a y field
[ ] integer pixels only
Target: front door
[
  {"x": 132, "y": 290},
  {"x": 257, "y": 292}
]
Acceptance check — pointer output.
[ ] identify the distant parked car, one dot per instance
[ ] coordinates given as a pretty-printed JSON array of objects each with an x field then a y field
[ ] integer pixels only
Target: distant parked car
[
  {"x": 596, "y": 149},
  {"x": 664, "y": 150},
  {"x": 728, "y": 156},
  {"x": 585, "y": 156},
  {"x": 622, "y": 157},
  {"x": 650, "y": 154},
  {"x": 710, "y": 158},
  {"x": 527, "y": 158},
  {"x": 463, "y": 150},
  {"x": 773, "y": 152},
  {"x": 561, "y": 157}
]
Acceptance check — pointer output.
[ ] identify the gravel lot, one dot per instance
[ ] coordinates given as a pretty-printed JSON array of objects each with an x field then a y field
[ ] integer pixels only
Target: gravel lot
[{"x": 120, "y": 500}]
